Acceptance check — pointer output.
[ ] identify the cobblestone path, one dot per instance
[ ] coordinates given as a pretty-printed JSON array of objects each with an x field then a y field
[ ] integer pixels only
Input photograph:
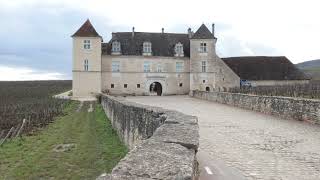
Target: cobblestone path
[{"x": 259, "y": 146}]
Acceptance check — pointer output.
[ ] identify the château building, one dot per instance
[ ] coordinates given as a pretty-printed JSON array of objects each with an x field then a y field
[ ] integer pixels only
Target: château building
[{"x": 144, "y": 63}]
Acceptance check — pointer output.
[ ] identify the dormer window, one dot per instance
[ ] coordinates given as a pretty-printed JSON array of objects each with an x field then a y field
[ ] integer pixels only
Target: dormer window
[
  {"x": 86, "y": 44},
  {"x": 147, "y": 49},
  {"x": 116, "y": 48},
  {"x": 203, "y": 47},
  {"x": 179, "y": 50}
]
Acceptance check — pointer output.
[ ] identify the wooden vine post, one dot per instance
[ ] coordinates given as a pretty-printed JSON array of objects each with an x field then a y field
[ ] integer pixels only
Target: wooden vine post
[
  {"x": 7, "y": 136},
  {"x": 21, "y": 128}
]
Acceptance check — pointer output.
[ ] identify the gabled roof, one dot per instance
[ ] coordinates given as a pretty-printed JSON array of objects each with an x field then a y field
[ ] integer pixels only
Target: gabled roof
[
  {"x": 162, "y": 44},
  {"x": 203, "y": 33},
  {"x": 86, "y": 30},
  {"x": 264, "y": 68}
]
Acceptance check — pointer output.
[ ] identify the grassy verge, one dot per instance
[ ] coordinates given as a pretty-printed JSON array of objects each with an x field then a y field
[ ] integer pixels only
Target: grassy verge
[{"x": 97, "y": 148}]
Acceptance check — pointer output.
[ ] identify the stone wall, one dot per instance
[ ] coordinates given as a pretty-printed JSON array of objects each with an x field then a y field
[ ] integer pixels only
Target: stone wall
[
  {"x": 163, "y": 144},
  {"x": 278, "y": 82},
  {"x": 285, "y": 107}
]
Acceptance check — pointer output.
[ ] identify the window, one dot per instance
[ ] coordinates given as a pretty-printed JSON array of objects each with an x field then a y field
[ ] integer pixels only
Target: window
[
  {"x": 147, "y": 47},
  {"x": 86, "y": 44},
  {"x": 207, "y": 89},
  {"x": 86, "y": 65},
  {"x": 125, "y": 85},
  {"x": 179, "y": 66},
  {"x": 180, "y": 84},
  {"x": 204, "y": 81},
  {"x": 204, "y": 66},
  {"x": 203, "y": 47},
  {"x": 146, "y": 67},
  {"x": 116, "y": 46},
  {"x": 112, "y": 85},
  {"x": 179, "y": 49},
  {"x": 138, "y": 85},
  {"x": 159, "y": 68},
  {"x": 115, "y": 66}
]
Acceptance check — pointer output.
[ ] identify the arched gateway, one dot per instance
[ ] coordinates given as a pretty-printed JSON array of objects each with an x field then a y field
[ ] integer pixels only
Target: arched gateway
[{"x": 156, "y": 88}]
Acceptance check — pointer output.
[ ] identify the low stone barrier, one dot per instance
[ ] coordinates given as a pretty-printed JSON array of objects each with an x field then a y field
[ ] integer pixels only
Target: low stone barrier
[
  {"x": 163, "y": 144},
  {"x": 285, "y": 107}
]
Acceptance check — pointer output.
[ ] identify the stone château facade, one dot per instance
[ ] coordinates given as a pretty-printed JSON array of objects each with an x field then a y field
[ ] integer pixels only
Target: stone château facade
[{"x": 142, "y": 63}]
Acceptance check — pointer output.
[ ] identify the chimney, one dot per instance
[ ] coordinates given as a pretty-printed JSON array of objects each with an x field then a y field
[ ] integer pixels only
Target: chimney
[
  {"x": 162, "y": 30},
  {"x": 132, "y": 31},
  {"x": 213, "y": 29},
  {"x": 189, "y": 33}
]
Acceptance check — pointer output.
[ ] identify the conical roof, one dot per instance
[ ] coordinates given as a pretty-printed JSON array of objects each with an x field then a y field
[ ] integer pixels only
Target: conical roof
[
  {"x": 203, "y": 33},
  {"x": 86, "y": 30}
]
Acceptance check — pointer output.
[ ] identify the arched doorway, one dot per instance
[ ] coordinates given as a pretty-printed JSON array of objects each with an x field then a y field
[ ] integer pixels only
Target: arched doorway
[
  {"x": 156, "y": 88},
  {"x": 208, "y": 89}
]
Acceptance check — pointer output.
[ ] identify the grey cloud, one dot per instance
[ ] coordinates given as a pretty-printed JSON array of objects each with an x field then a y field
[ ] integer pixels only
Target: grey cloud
[
  {"x": 38, "y": 37},
  {"x": 232, "y": 46}
]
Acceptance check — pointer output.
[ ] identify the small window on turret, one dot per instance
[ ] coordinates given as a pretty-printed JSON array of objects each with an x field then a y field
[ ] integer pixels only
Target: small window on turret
[
  {"x": 86, "y": 44},
  {"x": 203, "y": 47},
  {"x": 86, "y": 65},
  {"x": 204, "y": 66}
]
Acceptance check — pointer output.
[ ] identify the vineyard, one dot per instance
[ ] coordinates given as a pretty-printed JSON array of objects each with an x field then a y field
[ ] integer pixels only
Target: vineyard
[
  {"x": 311, "y": 90},
  {"x": 30, "y": 102}
]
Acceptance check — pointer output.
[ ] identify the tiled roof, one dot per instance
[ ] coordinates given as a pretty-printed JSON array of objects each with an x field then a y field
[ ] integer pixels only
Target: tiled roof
[
  {"x": 86, "y": 30},
  {"x": 203, "y": 33},
  {"x": 264, "y": 68},
  {"x": 162, "y": 43}
]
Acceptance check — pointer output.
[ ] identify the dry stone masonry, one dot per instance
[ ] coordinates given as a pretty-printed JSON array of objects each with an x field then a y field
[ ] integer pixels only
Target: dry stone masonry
[
  {"x": 285, "y": 107},
  {"x": 163, "y": 144}
]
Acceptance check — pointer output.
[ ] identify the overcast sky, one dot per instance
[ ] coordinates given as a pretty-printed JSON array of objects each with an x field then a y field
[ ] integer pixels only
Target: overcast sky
[{"x": 36, "y": 43}]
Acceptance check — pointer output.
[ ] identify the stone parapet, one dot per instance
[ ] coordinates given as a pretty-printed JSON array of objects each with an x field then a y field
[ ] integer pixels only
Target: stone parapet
[
  {"x": 284, "y": 107},
  {"x": 163, "y": 143}
]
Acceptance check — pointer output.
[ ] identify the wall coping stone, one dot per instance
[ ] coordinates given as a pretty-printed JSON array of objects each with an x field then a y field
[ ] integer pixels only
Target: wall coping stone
[{"x": 169, "y": 153}]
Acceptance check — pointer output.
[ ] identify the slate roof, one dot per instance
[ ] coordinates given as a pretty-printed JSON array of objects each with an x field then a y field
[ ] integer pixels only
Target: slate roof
[
  {"x": 162, "y": 43},
  {"x": 264, "y": 68},
  {"x": 104, "y": 48},
  {"x": 203, "y": 33},
  {"x": 86, "y": 30}
]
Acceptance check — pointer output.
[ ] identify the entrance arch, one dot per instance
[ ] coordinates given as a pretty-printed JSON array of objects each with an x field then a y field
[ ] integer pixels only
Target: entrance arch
[{"x": 155, "y": 88}]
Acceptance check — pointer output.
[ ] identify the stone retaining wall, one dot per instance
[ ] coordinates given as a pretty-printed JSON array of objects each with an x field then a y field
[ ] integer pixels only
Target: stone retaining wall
[
  {"x": 163, "y": 144},
  {"x": 285, "y": 107}
]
